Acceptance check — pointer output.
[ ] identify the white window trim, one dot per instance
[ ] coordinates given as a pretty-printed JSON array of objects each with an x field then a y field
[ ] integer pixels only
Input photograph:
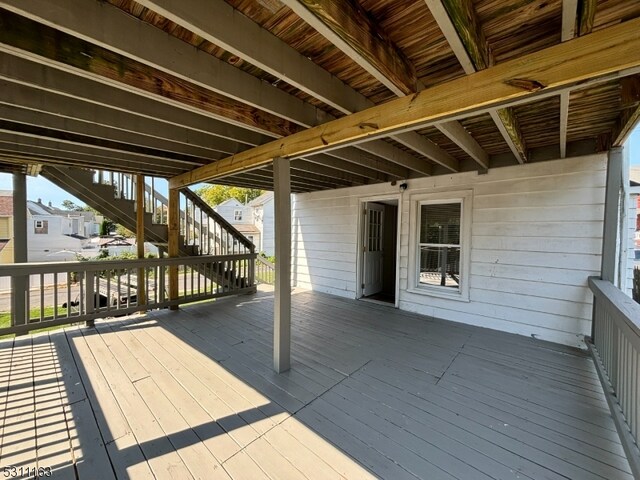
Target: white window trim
[
  {"x": 413, "y": 286},
  {"x": 238, "y": 213},
  {"x": 40, "y": 222}
]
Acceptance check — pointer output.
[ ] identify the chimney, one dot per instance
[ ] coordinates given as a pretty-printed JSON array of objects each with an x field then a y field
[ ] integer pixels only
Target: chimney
[
  {"x": 40, "y": 201},
  {"x": 50, "y": 204}
]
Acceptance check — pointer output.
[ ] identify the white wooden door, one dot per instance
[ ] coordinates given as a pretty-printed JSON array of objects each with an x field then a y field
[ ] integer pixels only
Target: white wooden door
[{"x": 372, "y": 274}]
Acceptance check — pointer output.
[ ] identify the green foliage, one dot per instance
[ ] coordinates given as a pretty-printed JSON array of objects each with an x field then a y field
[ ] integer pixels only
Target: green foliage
[
  {"x": 71, "y": 206},
  {"x": 105, "y": 227},
  {"x": 216, "y": 194},
  {"x": 124, "y": 232}
]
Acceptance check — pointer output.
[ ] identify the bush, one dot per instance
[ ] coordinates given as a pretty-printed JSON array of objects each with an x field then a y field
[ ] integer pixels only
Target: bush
[{"x": 636, "y": 284}]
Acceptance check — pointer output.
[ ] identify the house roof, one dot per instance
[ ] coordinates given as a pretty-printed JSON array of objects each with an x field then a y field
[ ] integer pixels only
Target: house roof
[
  {"x": 246, "y": 229},
  {"x": 262, "y": 199},
  {"x": 230, "y": 202},
  {"x": 346, "y": 111}
]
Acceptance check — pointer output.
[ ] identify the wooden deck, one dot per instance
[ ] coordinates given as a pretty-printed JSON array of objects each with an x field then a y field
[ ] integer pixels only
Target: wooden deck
[{"x": 373, "y": 393}]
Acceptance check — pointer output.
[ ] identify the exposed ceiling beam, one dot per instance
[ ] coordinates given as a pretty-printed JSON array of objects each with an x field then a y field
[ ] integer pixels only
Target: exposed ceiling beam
[
  {"x": 458, "y": 22},
  {"x": 29, "y": 135},
  {"x": 328, "y": 172},
  {"x": 114, "y": 31},
  {"x": 112, "y": 132},
  {"x": 111, "y": 28},
  {"x": 25, "y": 72},
  {"x": 362, "y": 171},
  {"x": 362, "y": 158},
  {"x": 93, "y": 114},
  {"x": 350, "y": 29},
  {"x": 54, "y": 156},
  {"x": 27, "y": 38},
  {"x": 630, "y": 117},
  {"x": 569, "y": 30},
  {"x": 217, "y": 22},
  {"x": 221, "y": 24},
  {"x": 587, "y": 16},
  {"x": 605, "y": 54},
  {"x": 400, "y": 157},
  {"x": 128, "y": 108},
  {"x": 457, "y": 134}
]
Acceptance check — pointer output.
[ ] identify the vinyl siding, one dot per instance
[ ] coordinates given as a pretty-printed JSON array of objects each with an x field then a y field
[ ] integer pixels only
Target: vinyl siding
[{"x": 536, "y": 238}]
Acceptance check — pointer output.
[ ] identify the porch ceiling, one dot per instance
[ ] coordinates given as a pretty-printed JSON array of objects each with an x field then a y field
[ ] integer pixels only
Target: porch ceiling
[
  {"x": 162, "y": 88},
  {"x": 372, "y": 393}
]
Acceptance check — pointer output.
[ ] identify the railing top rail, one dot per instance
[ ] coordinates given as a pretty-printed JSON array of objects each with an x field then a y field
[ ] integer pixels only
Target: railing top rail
[
  {"x": 628, "y": 310},
  {"x": 194, "y": 197},
  {"x": 264, "y": 261},
  {"x": 97, "y": 265}
]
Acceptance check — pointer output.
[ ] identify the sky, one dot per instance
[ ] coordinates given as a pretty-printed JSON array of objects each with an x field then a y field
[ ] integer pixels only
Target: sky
[{"x": 40, "y": 187}]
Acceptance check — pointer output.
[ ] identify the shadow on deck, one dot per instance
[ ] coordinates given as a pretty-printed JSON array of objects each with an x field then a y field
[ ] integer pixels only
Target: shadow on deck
[{"x": 373, "y": 393}]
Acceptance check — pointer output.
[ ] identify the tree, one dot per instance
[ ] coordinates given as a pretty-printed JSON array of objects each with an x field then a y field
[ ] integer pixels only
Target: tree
[
  {"x": 71, "y": 206},
  {"x": 216, "y": 194}
]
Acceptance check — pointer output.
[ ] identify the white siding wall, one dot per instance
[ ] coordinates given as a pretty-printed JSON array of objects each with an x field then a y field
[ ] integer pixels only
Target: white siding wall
[{"x": 536, "y": 237}]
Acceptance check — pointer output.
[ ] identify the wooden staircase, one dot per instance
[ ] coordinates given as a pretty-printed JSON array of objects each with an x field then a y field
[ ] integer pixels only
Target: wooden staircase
[{"x": 202, "y": 230}]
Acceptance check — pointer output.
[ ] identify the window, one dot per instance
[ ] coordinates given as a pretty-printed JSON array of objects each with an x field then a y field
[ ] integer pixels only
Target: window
[
  {"x": 41, "y": 226},
  {"x": 441, "y": 254},
  {"x": 237, "y": 215},
  {"x": 439, "y": 244}
]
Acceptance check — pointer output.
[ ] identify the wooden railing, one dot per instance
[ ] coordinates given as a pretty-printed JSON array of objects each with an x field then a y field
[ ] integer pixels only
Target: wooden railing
[
  {"x": 70, "y": 292},
  {"x": 616, "y": 350},
  {"x": 265, "y": 271},
  {"x": 200, "y": 226}
]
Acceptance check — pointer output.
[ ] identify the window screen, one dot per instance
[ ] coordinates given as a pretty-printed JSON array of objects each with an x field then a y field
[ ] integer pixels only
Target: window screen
[{"x": 439, "y": 244}]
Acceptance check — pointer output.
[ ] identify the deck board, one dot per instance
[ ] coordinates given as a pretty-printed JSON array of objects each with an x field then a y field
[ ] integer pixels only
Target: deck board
[{"x": 373, "y": 393}]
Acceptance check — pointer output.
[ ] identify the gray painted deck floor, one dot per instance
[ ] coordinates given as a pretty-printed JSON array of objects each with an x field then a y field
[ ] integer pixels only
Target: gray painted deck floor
[{"x": 373, "y": 393}]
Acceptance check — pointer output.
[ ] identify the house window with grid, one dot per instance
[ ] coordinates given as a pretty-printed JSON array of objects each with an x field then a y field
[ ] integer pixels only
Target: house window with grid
[
  {"x": 439, "y": 249},
  {"x": 441, "y": 252},
  {"x": 237, "y": 215}
]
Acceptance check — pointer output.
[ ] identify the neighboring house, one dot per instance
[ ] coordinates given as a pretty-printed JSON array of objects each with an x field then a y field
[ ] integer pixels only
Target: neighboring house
[
  {"x": 263, "y": 218},
  {"x": 56, "y": 235},
  {"x": 254, "y": 220},
  {"x": 6, "y": 226}
]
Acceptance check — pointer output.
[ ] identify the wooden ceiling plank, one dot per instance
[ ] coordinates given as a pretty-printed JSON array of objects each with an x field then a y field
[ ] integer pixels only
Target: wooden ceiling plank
[
  {"x": 458, "y": 22},
  {"x": 605, "y": 54}
]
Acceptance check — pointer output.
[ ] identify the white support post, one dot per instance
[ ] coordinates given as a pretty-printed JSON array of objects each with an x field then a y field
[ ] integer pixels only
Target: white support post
[
  {"x": 282, "y": 303},
  {"x": 20, "y": 284},
  {"x": 612, "y": 215}
]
